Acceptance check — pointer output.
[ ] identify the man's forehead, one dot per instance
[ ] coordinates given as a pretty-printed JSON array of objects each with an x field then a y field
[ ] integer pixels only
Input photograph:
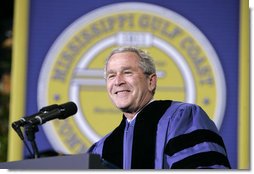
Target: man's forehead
[{"x": 124, "y": 60}]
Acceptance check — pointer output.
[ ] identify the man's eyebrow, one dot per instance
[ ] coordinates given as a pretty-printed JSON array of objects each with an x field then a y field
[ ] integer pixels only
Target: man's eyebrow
[
  {"x": 109, "y": 71},
  {"x": 121, "y": 69},
  {"x": 126, "y": 68}
]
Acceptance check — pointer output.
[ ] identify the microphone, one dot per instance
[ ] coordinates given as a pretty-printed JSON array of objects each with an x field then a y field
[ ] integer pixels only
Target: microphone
[
  {"x": 45, "y": 114},
  {"x": 24, "y": 120},
  {"x": 60, "y": 112}
]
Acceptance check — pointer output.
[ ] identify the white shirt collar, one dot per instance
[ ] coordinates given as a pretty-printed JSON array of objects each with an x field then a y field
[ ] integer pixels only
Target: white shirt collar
[{"x": 130, "y": 120}]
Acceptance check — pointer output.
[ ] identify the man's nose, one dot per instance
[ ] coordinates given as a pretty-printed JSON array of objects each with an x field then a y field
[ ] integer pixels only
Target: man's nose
[{"x": 119, "y": 80}]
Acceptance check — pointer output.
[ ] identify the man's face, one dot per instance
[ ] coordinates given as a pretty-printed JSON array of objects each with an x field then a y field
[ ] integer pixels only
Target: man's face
[{"x": 127, "y": 85}]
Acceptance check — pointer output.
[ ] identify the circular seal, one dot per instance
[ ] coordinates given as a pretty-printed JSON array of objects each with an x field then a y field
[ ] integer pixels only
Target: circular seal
[{"x": 188, "y": 69}]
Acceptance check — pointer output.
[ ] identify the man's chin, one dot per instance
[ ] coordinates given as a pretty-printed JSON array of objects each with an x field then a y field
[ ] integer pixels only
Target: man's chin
[{"x": 123, "y": 109}]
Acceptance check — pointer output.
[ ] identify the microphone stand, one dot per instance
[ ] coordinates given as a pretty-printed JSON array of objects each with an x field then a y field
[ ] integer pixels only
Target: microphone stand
[
  {"x": 30, "y": 132},
  {"x": 17, "y": 129}
]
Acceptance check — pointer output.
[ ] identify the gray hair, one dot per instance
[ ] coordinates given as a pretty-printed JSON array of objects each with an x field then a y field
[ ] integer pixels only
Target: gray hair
[{"x": 146, "y": 62}]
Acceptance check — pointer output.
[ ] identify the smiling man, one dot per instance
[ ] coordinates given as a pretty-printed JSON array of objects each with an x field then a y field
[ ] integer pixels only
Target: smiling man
[
  {"x": 154, "y": 134},
  {"x": 128, "y": 87}
]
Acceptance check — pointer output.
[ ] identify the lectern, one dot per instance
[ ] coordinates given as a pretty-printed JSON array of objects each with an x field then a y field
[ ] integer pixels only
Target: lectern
[{"x": 72, "y": 162}]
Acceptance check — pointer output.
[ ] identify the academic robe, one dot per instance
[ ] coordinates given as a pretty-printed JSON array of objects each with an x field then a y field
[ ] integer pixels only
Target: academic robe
[{"x": 164, "y": 135}]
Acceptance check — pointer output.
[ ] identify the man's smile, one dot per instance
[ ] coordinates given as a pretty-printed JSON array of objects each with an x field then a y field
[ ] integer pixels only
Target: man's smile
[{"x": 122, "y": 91}]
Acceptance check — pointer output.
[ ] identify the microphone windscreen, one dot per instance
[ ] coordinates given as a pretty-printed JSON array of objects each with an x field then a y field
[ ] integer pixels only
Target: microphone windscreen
[
  {"x": 68, "y": 109},
  {"x": 49, "y": 108}
]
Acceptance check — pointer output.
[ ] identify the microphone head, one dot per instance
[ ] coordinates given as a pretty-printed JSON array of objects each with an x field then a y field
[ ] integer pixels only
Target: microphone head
[{"x": 68, "y": 109}]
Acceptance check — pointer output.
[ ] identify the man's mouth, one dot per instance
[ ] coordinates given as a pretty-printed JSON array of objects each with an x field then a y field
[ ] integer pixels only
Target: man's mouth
[{"x": 122, "y": 91}]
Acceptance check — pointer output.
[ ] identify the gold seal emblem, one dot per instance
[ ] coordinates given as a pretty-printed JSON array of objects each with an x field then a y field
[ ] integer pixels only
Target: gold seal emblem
[{"x": 188, "y": 69}]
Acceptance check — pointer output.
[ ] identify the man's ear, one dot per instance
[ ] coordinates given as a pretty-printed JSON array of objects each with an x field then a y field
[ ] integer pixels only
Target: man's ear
[{"x": 152, "y": 82}]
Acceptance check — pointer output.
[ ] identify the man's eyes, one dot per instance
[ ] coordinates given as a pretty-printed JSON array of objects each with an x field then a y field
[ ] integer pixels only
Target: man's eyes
[
  {"x": 110, "y": 76},
  {"x": 127, "y": 72},
  {"x": 113, "y": 75}
]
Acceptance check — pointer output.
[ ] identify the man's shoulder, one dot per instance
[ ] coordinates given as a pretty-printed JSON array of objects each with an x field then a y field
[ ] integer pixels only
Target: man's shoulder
[
  {"x": 175, "y": 103},
  {"x": 178, "y": 107},
  {"x": 162, "y": 101}
]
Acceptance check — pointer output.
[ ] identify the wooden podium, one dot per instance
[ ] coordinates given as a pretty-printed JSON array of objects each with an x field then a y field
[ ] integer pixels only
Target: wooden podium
[{"x": 72, "y": 162}]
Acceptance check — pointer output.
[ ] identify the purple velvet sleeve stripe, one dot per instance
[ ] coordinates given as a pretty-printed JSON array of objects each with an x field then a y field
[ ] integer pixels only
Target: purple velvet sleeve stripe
[
  {"x": 202, "y": 160},
  {"x": 191, "y": 139}
]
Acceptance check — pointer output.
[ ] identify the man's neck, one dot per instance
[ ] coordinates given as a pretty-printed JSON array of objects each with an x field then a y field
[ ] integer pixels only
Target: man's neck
[{"x": 131, "y": 116}]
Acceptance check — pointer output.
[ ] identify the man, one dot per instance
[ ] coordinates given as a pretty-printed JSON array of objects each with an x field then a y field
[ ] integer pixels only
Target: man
[{"x": 154, "y": 134}]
